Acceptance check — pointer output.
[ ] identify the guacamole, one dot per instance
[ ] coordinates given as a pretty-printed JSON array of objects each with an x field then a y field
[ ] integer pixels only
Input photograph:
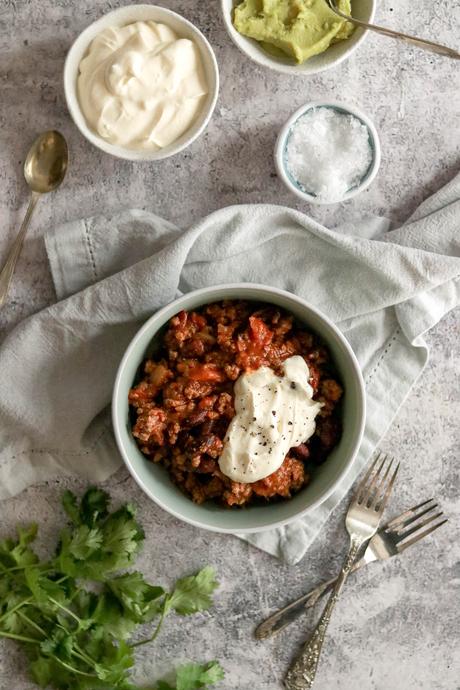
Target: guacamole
[{"x": 298, "y": 28}]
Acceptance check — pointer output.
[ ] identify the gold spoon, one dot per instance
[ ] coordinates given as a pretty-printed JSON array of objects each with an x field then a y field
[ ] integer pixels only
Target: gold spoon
[
  {"x": 419, "y": 42},
  {"x": 44, "y": 170}
]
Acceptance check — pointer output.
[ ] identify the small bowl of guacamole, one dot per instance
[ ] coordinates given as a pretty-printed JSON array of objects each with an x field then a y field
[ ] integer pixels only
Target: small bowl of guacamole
[{"x": 295, "y": 36}]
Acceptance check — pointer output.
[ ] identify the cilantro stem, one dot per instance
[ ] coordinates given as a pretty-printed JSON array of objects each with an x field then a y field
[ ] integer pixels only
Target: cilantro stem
[
  {"x": 68, "y": 611},
  {"x": 72, "y": 669},
  {"x": 89, "y": 660},
  {"x": 74, "y": 594},
  {"x": 25, "y": 567},
  {"x": 16, "y": 608},
  {"x": 31, "y": 623},
  {"x": 61, "y": 579},
  {"x": 80, "y": 654},
  {"x": 157, "y": 629},
  {"x": 21, "y": 638}
]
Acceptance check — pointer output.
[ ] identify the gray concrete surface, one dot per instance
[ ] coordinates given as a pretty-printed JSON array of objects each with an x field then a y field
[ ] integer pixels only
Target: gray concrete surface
[{"x": 397, "y": 627}]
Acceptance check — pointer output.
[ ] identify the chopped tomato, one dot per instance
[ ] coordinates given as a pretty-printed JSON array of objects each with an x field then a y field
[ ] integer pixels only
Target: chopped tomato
[
  {"x": 180, "y": 319},
  {"x": 198, "y": 320},
  {"x": 206, "y": 372},
  {"x": 259, "y": 332}
]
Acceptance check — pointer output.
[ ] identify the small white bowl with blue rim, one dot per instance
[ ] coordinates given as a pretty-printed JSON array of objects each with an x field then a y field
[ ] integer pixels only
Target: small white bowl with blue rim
[{"x": 283, "y": 140}]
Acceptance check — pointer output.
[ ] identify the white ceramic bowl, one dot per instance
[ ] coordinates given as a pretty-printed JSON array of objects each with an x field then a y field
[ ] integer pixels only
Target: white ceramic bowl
[
  {"x": 153, "y": 478},
  {"x": 283, "y": 138},
  {"x": 362, "y": 9},
  {"x": 121, "y": 17}
]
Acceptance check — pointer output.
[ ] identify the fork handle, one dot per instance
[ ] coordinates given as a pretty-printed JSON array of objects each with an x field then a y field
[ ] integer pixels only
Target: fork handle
[
  {"x": 288, "y": 614},
  {"x": 302, "y": 673}
]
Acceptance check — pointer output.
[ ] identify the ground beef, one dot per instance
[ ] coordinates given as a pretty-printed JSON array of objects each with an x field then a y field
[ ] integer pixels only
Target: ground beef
[{"x": 182, "y": 402}]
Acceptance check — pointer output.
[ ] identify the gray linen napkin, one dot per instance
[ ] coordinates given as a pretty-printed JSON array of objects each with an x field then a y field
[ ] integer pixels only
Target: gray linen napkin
[{"x": 112, "y": 272}]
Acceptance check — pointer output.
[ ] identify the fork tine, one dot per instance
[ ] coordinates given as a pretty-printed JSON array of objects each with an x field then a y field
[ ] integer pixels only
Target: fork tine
[
  {"x": 417, "y": 526},
  {"x": 399, "y": 529},
  {"x": 421, "y": 535},
  {"x": 380, "y": 507},
  {"x": 380, "y": 487},
  {"x": 407, "y": 513},
  {"x": 363, "y": 482}
]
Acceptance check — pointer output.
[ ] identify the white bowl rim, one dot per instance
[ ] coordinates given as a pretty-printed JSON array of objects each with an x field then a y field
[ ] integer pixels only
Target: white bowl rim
[
  {"x": 73, "y": 105},
  {"x": 264, "y": 59},
  {"x": 284, "y": 133},
  {"x": 203, "y": 292}
]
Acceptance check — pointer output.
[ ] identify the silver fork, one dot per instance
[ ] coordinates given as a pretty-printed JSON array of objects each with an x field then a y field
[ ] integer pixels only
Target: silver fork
[
  {"x": 419, "y": 42},
  {"x": 388, "y": 541},
  {"x": 362, "y": 521}
]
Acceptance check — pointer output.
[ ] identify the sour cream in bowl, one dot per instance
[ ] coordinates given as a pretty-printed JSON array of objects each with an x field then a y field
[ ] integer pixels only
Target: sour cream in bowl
[{"x": 141, "y": 82}]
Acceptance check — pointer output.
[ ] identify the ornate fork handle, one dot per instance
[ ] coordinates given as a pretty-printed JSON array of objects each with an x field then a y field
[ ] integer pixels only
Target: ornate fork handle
[{"x": 302, "y": 673}]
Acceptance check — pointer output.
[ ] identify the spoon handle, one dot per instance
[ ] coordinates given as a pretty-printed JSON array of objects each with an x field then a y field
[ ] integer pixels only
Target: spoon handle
[
  {"x": 423, "y": 43},
  {"x": 419, "y": 42},
  {"x": 7, "y": 271}
]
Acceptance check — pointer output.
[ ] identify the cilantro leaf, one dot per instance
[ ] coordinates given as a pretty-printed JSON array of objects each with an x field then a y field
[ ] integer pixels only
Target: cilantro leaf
[
  {"x": 193, "y": 593},
  {"x": 135, "y": 595},
  {"x": 47, "y": 672},
  {"x": 84, "y": 542},
  {"x": 18, "y": 553},
  {"x": 42, "y": 671},
  {"x": 110, "y": 615},
  {"x": 95, "y": 553},
  {"x": 193, "y": 676},
  {"x": 94, "y": 506},
  {"x": 70, "y": 505},
  {"x": 9, "y": 611},
  {"x": 92, "y": 509},
  {"x": 40, "y": 586},
  {"x": 122, "y": 536},
  {"x": 59, "y": 643},
  {"x": 117, "y": 661}
]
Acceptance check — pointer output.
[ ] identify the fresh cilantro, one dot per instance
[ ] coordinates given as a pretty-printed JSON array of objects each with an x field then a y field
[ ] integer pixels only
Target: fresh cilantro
[
  {"x": 94, "y": 506},
  {"x": 194, "y": 676},
  {"x": 76, "y": 613},
  {"x": 192, "y": 594},
  {"x": 92, "y": 509},
  {"x": 137, "y": 598},
  {"x": 18, "y": 553},
  {"x": 71, "y": 507},
  {"x": 108, "y": 544}
]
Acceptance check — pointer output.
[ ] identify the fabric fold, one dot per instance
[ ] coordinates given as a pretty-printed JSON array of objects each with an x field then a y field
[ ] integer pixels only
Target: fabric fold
[{"x": 111, "y": 272}]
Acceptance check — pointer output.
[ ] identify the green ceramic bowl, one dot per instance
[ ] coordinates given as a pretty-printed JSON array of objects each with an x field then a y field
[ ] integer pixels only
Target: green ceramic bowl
[{"x": 154, "y": 479}]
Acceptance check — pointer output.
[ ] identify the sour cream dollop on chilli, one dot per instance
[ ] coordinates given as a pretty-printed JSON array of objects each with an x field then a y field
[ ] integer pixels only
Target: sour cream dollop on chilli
[{"x": 273, "y": 414}]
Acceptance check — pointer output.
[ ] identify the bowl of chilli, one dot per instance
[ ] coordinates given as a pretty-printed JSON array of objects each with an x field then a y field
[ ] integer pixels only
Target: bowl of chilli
[{"x": 179, "y": 404}]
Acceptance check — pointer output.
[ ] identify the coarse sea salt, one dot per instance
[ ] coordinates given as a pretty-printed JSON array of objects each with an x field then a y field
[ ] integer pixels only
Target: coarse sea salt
[{"x": 328, "y": 153}]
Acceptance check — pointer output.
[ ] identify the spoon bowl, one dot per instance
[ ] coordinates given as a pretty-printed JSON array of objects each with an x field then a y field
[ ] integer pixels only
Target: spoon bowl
[{"x": 46, "y": 162}]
